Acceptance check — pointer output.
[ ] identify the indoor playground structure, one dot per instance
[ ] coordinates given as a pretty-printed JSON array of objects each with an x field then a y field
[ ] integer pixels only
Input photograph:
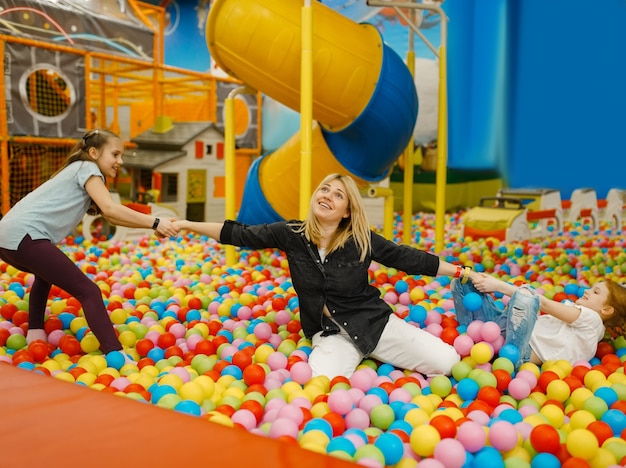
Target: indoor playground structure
[
  {"x": 364, "y": 104},
  {"x": 515, "y": 215},
  {"x": 220, "y": 375}
]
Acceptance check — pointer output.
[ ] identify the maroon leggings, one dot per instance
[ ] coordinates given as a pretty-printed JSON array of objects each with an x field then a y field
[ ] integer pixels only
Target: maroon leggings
[{"x": 51, "y": 266}]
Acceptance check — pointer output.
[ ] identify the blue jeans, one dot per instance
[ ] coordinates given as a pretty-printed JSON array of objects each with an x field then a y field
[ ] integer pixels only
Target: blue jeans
[{"x": 516, "y": 321}]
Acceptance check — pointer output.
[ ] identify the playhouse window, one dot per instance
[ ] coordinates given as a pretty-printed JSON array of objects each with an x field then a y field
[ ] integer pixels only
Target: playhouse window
[{"x": 169, "y": 187}]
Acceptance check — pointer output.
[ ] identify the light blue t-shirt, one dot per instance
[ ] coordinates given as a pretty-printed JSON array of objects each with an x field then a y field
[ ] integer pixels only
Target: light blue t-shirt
[{"x": 53, "y": 209}]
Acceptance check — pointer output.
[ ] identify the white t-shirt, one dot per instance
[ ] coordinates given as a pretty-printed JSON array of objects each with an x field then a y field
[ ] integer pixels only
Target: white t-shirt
[
  {"x": 554, "y": 339},
  {"x": 53, "y": 209}
]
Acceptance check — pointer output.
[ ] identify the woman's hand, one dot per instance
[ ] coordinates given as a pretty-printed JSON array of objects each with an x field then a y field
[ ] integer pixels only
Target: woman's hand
[{"x": 167, "y": 228}]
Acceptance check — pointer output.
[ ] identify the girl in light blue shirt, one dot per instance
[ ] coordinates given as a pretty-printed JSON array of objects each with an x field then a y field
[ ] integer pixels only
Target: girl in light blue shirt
[{"x": 31, "y": 229}]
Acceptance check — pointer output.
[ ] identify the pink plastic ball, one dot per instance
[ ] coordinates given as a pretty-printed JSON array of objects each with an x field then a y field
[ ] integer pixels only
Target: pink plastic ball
[
  {"x": 519, "y": 388},
  {"x": 490, "y": 331},
  {"x": 277, "y": 360},
  {"x": 433, "y": 316},
  {"x": 263, "y": 331},
  {"x": 244, "y": 313},
  {"x": 245, "y": 418},
  {"x": 472, "y": 436},
  {"x": 340, "y": 401},
  {"x": 282, "y": 317},
  {"x": 391, "y": 297},
  {"x": 474, "y": 330},
  {"x": 463, "y": 344},
  {"x": 283, "y": 427},
  {"x": 450, "y": 452},
  {"x": 301, "y": 372},
  {"x": 503, "y": 436},
  {"x": 357, "y": 419},
  {"x": 291, "y": 412},
  {"x": 434, "y": 329}
]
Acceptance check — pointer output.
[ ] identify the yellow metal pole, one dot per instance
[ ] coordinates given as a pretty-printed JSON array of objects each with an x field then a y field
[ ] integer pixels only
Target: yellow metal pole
[
  {"x": 409, "y": 165},
  {"x": 306, "y": 108},
  {"x": 442, "y": 153},
  {"x": 5, "y": 197}
]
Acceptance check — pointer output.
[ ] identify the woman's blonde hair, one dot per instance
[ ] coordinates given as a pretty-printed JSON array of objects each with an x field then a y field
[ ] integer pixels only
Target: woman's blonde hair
[{"x": 356, "y": 225}]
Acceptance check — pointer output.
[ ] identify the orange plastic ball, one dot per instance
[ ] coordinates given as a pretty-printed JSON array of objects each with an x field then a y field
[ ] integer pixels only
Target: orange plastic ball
[{"x": 545, "y": 438}]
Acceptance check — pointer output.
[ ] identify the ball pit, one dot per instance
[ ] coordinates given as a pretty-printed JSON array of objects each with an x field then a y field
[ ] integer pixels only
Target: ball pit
[{"x": 223, "y": 344}]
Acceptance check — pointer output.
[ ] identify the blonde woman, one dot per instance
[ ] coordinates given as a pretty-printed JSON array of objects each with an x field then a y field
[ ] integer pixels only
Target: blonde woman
[{"x": 342, "y": 314}]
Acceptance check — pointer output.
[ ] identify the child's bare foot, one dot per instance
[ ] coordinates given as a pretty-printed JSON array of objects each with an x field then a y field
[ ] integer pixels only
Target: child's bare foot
[{"x": 36, "y": 334}]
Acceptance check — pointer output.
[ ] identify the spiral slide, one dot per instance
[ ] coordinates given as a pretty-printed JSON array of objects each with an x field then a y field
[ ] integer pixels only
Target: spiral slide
[{"x": 364, "y": 99}]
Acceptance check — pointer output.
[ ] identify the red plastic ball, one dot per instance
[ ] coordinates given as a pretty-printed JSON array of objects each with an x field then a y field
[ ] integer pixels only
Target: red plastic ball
[
  {"x": 254, "y": 374},
  {"x": 445, "y": 425},
  {"x": 448, "y": 334},
  {"x": 545, "y": 378},
  {"x": 143, "y": 346},
  {"x": 336, "y": 422},
  {"x": 489, "y": 395},
  {"x": 601, "y": 430},
  {"x": 205, "y": 347},
  {"x": 545, "y": 438},
  {"x": 20, "y": 317},
  {"x": 7, "y": 311},
  {"x": 166, "y": 340}
]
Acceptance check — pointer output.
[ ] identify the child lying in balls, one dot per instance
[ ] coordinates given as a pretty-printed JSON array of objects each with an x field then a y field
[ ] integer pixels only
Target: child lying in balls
[{"x": 565, "y": 330}]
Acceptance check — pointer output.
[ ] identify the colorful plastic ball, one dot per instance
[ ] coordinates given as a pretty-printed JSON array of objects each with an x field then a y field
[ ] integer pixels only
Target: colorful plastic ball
[
  {"x": 488, "y": 456},
  {"x": 301, "y": 372},
  {"x": 545, "y": 438},
  {"x": 283, "y": 427},
  {"x": 545, "y": 460},
  {"x": 472, "y": 436},
  {"x": 367, "y": 452},
  {"x": 582, "y": 443},
  {"x": 440, "y": 385},
  {"x": 341, "y": 444},
  {"x": 617, "y": 420},
  {"x": 472, "y": 301},
  {"x": 463, "y": 344},
  {"x": 519, "y": 388},
  {"x": 188, "y": 407},
  {"x": 503, "y": 436},
  {"x": 391, "y": 447},
  {"x": 481, "y": 352},
  {"x": 418, "y": 314},
  {"x": 451, "y": 453},
  {"x": 115, "y": 359},
  {"x": 509, "y": 352},
  {"x": 318, "y": 424},
  {"x": 424, "y": 439},
  {"x": 467, "y": 389},
  {"x": 490, "y": 331},
  {"x": 340, "y": 401},
  {"x": 382, "y": 416}
]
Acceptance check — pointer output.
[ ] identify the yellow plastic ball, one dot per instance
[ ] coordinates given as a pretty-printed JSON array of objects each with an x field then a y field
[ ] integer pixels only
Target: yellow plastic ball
[
  {"x": 89, "y": 343},
  {"x": 481, "y": 352},
  {"x": 423, "y": 440},
  {"x": 582, "y": 443},
  {"x": 191, "y": 391}
]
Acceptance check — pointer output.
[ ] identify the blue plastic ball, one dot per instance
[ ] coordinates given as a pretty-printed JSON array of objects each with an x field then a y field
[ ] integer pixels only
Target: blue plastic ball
[
  {"x": 472, "y": 301},
  {"x": 391, "y": 447},
  {"x": 319, "y": 424},
  {"x": 341, "y": 444},
  {"x": 616, "y": 419},
  {"x": 188, "y": 407},
  {"x": 418, "y": 314},
  {"x": 467, "y": 389},
  {"x": 115, "y": 359},
  {"x": 510, "y": 352},
  {"x": 545, "y": 460}
]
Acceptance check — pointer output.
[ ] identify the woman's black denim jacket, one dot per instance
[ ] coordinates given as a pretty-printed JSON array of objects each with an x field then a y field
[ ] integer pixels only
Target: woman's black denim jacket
[{"x": 341, "y": 281}]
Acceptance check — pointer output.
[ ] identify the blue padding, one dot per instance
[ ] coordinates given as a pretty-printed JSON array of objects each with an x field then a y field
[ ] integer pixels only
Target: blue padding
[
  {"x": 370, "y": 145},
  {"x": 255, "y": 209}
]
